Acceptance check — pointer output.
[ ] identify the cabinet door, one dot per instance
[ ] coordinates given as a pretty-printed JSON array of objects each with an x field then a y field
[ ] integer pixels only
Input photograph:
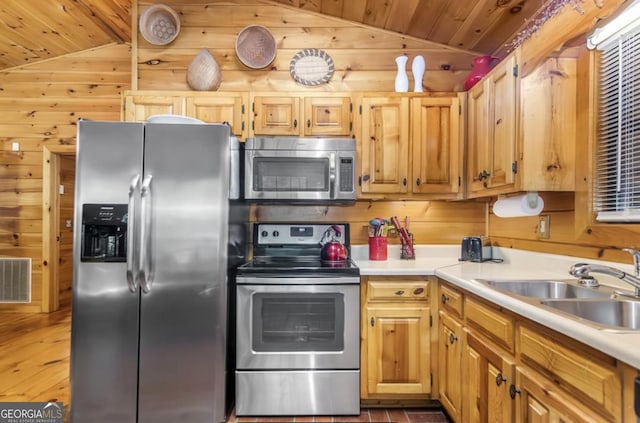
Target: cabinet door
[
  {"x": 276, "y": 115},
  {"x": 449, "y": 365},
  {"x": 398, "y": 350},
  {"x": 137, "y": 108},
  {"x": 492, "y": 131},
  {"x": 478, "y": 145},
  {"x": 385, "y": 144},
  {"x": 504, "y": 95},
  {"x": 329, "y": 116},
  {"x": 540, "y": 401},
  {"x": 228, "y": 108},
  {"x": 487, "y": 374},
  {"x": 435, "y": 145}
]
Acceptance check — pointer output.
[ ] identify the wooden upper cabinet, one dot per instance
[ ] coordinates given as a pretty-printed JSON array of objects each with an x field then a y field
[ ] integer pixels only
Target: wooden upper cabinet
[
  {"x": 139, "y": 107},
  {"x": 435, "y": 143},
  {"x": 330, "y": 116},
  {"x": 301, "y": 114},
  {"x": 492, "y": 131},
  {"x": 276, "y": 115},
  {"x": 384, "y": 142},
  {"x": 229, "y": 108}
]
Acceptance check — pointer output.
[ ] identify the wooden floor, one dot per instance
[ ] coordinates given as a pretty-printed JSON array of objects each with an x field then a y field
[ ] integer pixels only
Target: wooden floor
[{"x": 34, "y": 366}]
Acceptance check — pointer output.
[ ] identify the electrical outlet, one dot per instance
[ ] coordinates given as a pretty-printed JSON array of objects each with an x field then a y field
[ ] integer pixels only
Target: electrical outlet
[{"x": 543, "y": 227}]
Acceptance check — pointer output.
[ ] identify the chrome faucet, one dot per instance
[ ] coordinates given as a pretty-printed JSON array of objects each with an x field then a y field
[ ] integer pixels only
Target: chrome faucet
[{"x": 581, "y": 270}]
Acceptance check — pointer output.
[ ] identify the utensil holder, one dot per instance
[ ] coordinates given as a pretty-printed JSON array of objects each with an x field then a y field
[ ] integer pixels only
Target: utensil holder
[{"x": 377, "y": 248}]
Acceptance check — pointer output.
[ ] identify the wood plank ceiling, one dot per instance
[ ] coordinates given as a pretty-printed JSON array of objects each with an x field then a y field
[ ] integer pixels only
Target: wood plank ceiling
[{"x": 33, "y": 30}]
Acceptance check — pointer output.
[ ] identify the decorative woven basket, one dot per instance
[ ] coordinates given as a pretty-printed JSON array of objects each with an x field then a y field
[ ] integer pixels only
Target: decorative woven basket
[
  {"x": 203, "y": 74},
  {"x": 256, "y": 47},
  {"x": 159, "y": 24}
]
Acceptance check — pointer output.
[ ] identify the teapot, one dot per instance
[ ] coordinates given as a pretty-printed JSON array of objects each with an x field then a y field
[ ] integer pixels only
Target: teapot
[{"x": 332, "y": 249}]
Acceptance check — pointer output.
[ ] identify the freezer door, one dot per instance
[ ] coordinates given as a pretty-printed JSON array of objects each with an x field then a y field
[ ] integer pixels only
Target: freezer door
[
  {"x": 184, "y": 311},
  {"x": 104, "y": 324}
]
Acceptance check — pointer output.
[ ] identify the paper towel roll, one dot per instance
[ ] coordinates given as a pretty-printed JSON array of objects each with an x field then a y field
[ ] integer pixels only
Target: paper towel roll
[{"x": 518, "y": 206}]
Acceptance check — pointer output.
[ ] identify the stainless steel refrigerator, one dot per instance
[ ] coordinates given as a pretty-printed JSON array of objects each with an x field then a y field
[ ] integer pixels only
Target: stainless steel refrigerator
[{"x": 151, "y": 259}]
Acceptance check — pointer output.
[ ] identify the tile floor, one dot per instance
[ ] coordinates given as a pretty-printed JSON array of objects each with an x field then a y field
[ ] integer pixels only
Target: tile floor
[{"x": 373, "y": 415}]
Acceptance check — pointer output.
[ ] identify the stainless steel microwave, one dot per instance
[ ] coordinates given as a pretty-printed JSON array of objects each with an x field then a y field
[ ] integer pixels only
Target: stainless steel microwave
[{"x": 300, "y": 169}]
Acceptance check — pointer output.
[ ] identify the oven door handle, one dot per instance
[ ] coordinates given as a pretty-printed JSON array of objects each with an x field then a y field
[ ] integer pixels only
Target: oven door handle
[
  {"x": 332, "y": 175},
  {"x": 333, "y": 280}
]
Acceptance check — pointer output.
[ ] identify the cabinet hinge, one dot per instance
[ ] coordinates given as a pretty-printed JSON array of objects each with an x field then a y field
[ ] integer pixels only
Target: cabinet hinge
[
  {"x": 514, "y": 167},
  {"x": 242, "y": 109},
  {"x": 460, "y": 109},
  {"x": 459, "y": 181},
  {"x": 253, "y": 107},
  {"x": 253, "y": 125},
  {"x": 243, "y": 126},
  {"x": 360, "y": 109},
  {"x": 350, "y": 107},
  {"x": 430, "y": 379},
  {"x": 350, "y": 126},
  {"x": 515, "y": 70},
  {"x": 430, "y": 321}
]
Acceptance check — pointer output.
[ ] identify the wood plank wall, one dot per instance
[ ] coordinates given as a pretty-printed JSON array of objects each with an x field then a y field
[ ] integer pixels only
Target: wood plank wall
[
  {"x": 364, "y": 57},
  {"x": 65, "y": 268},
  {"x": 40, "y": 106}
]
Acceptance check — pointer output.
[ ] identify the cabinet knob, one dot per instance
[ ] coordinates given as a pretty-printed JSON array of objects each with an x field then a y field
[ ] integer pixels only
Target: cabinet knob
[
  {"x": 500, "y": 379},
  {"x": 308, "y": 123},
  {"x": 418, "y": 291},
  {"x": 418, "y": 182},
  {"x": 400, "y": 292},
  {"x": 513, "y": 391},
  {"x": 444, "y": 299},
  {"x": 372, "y": 321},
  {"x": 295, "y": 123},
  {"x": 452, "y": 338},
  {"x": 404, "y": 182}
]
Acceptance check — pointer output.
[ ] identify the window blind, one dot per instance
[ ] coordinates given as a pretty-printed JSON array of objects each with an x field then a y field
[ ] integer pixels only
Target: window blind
[{"x": 617, "y": 181}]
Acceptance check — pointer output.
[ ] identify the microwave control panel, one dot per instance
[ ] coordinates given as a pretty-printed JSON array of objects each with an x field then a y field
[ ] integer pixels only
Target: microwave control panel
[{"x": 346, "y": 174}]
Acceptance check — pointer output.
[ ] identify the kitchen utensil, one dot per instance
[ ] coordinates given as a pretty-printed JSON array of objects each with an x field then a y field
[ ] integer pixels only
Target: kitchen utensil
[
  {"x": 333, "y": 250},
  {"x": 408, "y": 251}
]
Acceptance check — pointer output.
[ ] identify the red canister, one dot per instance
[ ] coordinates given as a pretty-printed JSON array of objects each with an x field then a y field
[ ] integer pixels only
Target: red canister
[{"x": 377, "y": 248}]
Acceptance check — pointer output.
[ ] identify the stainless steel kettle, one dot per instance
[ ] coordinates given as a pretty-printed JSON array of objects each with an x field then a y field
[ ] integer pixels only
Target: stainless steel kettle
[{"x": 332, "y": 249}]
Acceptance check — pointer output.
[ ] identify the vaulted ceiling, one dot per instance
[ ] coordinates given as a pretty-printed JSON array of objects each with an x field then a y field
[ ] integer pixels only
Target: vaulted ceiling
[{"x": 34, "y": 30}]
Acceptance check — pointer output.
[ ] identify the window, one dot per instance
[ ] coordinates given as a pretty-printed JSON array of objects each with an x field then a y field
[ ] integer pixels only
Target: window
[{"x": 617, "y": 182}]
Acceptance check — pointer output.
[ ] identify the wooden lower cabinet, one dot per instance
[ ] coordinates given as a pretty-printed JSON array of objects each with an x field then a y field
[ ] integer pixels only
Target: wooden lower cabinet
[
  {"x": 496, "y": 366},
  {"x": 486, "y": 374},
  {"x": 539, "y": 401},
  {"x": 450, "y": 364},
  {"x": 396, "y": 338}
]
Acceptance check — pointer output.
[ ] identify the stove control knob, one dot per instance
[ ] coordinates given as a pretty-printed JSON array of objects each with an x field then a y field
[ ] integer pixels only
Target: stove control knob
[
  {"x": 276, "y": 234},
  {"x": 264, "y": 234}
]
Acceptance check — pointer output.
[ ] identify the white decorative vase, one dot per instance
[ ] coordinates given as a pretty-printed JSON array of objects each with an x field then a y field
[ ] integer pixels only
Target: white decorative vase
[
  {"x": 402, "y": 80},
  {"x": 417, "y": 67}
]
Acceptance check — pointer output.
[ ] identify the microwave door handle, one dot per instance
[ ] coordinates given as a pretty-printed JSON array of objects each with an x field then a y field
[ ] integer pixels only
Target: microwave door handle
[
  {"x": 332, "y": 175},
  {"x": 145, "y": 235},
  {"x": 131, "y": 235}
]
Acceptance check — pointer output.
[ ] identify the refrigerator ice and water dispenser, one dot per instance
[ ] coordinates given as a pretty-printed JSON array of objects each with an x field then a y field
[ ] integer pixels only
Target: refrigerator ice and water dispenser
[{"x": 104, "y": 232}]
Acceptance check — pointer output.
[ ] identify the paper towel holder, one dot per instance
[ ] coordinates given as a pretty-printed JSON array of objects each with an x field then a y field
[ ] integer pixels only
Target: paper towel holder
[{"x": 532, "y": 198}]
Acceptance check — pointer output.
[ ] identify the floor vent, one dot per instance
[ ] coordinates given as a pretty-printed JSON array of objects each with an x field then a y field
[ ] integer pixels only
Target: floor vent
[{"x": 15, "y": 280}]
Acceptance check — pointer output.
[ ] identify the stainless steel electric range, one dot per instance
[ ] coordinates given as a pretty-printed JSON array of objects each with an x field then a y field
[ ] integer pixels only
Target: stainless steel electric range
[{"x": 298, "y": 326}]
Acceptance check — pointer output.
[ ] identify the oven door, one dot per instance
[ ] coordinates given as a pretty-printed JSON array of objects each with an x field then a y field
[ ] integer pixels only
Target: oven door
[
  {"x": 290, "y": 175},
  {"x": 298, "y": 326}
]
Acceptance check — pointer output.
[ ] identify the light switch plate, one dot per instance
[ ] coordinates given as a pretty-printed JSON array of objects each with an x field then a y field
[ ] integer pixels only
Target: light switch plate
[{"x": 543, "y": 227}]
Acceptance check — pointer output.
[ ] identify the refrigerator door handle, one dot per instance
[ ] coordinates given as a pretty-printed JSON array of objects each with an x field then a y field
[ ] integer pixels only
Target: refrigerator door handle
[
  {"x": 132, "y": 265},
  {"x": 145, "y": 235}
]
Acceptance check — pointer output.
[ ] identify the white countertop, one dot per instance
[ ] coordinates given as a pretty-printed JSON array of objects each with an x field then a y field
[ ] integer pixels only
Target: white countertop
[{"x": 442, "y": 261}]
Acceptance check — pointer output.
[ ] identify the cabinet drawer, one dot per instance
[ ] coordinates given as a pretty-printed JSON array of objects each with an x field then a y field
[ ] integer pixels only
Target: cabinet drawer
[
  {"x": 398, "y": 290},
  {"x": 579, "y": 373},
  {"x": 492, "y": 322},
  {"x": 450, "y": 299}
]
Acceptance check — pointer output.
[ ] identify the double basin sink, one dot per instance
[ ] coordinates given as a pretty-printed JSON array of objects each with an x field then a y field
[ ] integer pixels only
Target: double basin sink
[{"x": 601, "y": 306}]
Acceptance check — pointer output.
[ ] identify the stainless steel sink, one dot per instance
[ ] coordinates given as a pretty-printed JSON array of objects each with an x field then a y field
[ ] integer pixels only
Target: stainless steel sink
[
  {"x": 614, "y": 314},
  {"x": 543, "y": 288}
]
